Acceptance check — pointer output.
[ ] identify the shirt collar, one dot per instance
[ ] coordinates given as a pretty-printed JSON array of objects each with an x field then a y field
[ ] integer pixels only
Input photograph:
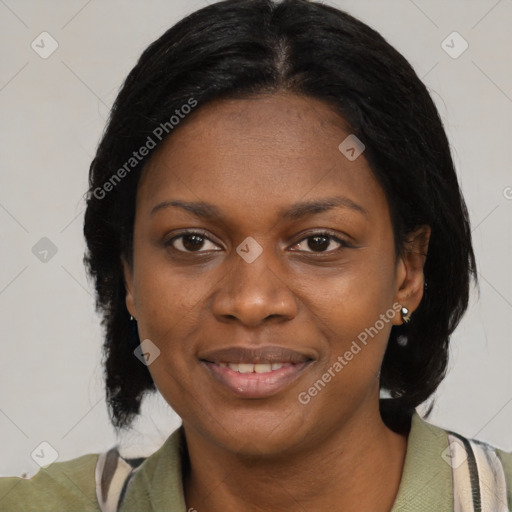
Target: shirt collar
[
  {"x": 426, "y": 482},
  {"x": 426, "y": 478}
]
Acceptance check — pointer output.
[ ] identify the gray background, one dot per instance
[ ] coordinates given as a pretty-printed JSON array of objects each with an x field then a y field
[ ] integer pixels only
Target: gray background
[{"x": 53, "y": 113}]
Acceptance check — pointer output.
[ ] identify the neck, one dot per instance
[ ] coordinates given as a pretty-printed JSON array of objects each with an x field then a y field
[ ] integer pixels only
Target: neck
[{"x": 359, "y": 466}]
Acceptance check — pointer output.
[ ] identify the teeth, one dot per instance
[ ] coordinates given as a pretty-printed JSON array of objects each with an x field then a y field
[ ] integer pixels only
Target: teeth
[
  {"x": 253, "y": 368},
  {"x": 262, "y": 368},
  {"x": 245, "y": 368}
]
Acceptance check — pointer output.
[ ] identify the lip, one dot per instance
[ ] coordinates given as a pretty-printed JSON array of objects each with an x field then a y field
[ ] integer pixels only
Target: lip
[
  {"x": 268, "y": 354},
  {"x": 255, "y": 385}
]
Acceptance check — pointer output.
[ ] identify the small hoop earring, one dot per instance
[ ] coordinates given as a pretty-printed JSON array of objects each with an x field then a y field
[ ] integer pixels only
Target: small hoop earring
[{"x": 406, "y": 317}]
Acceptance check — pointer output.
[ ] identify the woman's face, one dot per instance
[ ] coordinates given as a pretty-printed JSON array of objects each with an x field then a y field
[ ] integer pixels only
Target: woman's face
[{"x": 264, "y": 272}]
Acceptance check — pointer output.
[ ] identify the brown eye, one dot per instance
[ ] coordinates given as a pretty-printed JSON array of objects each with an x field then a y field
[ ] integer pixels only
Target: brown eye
[
  {"x": 191, "y": 242},
  {"x": 318, "y": 243},
  {"x": 321, "y": 242}
]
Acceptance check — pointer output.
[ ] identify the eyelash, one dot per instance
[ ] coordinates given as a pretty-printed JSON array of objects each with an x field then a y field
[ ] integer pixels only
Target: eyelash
[{"x": 326, "y": 234}]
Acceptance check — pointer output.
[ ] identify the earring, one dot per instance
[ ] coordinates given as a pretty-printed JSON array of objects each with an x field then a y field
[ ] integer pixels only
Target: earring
[
  {"x": 133, "y": 333},
  {"x": 406, "y": 317}
]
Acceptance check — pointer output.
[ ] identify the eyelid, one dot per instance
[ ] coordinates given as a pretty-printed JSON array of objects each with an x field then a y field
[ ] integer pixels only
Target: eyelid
[
  {"x": 168, "y": 241},
  {"x": 320, "y": 232}
]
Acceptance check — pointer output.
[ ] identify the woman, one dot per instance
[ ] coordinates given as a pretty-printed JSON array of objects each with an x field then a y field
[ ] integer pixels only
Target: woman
[{"x": 278, "y": 239}]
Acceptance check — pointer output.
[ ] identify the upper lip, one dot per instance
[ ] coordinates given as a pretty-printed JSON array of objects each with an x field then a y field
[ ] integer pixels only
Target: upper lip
[{"x": 268, "y": 354}]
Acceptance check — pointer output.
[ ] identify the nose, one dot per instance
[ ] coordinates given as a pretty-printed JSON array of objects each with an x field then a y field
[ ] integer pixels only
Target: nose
[{"x": 254, "y": 293}]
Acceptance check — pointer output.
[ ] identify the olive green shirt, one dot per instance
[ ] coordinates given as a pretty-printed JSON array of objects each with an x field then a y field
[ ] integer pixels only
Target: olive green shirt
[{"x": 156, "y": 486}]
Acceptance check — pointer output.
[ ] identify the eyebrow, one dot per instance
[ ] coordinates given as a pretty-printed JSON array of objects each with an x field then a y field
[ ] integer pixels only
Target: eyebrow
[
  {"x": 304, "y": 208},
  {"x": 296, "y": 211}
]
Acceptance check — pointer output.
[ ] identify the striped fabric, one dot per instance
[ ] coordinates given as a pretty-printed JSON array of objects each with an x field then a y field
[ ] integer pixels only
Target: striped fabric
[
  {"x": 112, "y": 475},
  {"x": 478, "y": 476}
]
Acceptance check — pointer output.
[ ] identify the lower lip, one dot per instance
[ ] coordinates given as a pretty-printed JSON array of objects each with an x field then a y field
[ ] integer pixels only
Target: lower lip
[{"x": 256, "y": 385}]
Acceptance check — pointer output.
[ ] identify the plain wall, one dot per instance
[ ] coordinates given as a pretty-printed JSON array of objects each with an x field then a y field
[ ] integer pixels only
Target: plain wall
[{"x": 53, "y": 112}]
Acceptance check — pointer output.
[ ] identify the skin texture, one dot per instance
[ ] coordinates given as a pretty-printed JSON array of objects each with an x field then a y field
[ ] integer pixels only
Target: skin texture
[{"x": 252, "y": 159}]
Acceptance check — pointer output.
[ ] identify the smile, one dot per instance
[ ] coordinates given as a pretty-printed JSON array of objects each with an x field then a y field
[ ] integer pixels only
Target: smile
[
  {"x": 254, "y": 367},
  {"x": 254, "y": 380}
]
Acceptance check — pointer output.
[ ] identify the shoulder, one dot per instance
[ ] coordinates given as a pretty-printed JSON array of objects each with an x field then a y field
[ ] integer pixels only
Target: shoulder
[
  {"x": 158, "y": 480},
  {"x": 481, "y": 474},
  {"x": 506, "y": 461},
  {"x": 91, "y": 483},
  {"x": 68, "y": 485},
  {"x": 483, "y": 469}
]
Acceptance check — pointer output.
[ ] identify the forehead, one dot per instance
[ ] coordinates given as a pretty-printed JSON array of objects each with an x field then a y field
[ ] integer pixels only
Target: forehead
[
  {"x": 256, "y": 154},
  {"x": 281, "y": 119}
]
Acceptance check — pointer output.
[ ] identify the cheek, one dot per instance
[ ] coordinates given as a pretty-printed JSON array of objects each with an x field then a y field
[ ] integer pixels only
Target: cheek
[
  {"x": 356, "y": 311},
  {"x": 169, "y": 305},
  {"x": 356, "y": 340},
  {"x": 170, "y": 312},
  {"x": 165, "y": 296}
]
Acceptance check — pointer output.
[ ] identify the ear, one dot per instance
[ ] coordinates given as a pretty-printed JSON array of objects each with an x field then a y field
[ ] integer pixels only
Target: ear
[
  {"x": 410, "y": 279},
  {"x": 128, "y": 284}
]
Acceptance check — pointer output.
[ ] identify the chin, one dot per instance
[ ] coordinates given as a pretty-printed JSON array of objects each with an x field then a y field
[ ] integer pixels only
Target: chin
[{"x": 269, "y": 434}]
